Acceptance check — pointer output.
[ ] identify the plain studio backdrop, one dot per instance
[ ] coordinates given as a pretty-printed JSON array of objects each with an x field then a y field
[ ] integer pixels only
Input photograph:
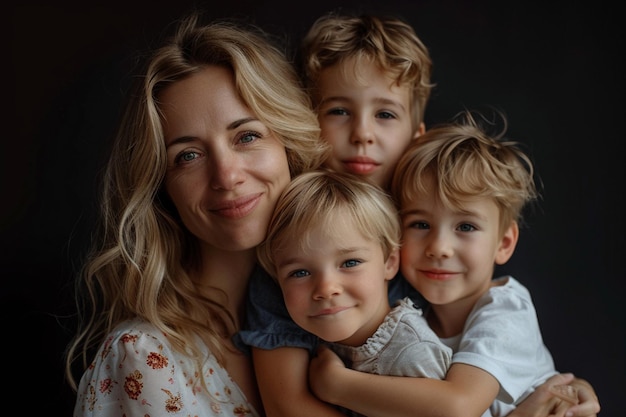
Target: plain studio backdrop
[{"x": 555, "y": 69}]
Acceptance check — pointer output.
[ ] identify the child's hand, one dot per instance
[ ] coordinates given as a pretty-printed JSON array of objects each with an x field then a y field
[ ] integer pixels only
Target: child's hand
[
  {"x": 543, "y": 403},
  {"x": 324, "y": 370},
  {"x": 588, "y": 403}
]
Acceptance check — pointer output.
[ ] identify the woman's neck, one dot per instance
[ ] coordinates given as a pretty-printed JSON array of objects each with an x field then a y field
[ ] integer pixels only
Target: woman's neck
[{"x": 229, "y": 272}]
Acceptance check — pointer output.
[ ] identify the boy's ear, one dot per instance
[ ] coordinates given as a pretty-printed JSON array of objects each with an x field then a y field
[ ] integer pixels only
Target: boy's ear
[
  {"x": 392, "y": 264},
  {"x": 421, "y": 129},
  {"x": 507, "y": 244}
]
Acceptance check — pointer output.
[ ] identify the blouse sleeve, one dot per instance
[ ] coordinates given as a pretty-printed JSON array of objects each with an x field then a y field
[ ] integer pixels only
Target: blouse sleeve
[{"x": 134, "y": 374}]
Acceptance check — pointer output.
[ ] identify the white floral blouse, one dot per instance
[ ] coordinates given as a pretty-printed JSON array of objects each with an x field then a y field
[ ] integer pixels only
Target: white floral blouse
[{"x": 136, "y": 373}]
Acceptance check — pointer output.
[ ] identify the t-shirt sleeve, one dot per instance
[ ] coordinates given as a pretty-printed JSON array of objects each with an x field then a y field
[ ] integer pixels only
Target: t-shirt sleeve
[{"x": 502, "y": 336}]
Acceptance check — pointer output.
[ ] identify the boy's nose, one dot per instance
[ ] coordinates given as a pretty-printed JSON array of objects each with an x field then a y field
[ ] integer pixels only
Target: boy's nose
[
  {"x": 362, "y": 133},
  {"x": 439, "y": 247}
]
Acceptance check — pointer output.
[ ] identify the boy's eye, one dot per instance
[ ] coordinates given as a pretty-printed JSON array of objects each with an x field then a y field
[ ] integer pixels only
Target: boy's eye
[
  {"x": 466, "y": 227},
  {"x": 337, "y": 112},
  {"x": 351, "y": 263},
  {"x": 385, "y": 115},
  {"x": 419, "y": 225}
]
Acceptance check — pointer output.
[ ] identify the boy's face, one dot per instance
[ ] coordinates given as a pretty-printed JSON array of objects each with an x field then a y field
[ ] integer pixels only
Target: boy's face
[
  {"x": 366, "y": 118},
  {"x": 337, "y": 287},
  {"x": 449, "y": 255}
]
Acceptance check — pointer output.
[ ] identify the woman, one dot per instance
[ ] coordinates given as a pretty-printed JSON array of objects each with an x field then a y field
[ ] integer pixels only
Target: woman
[
  {"x": 213, "y": 132},
  {"x": 210, "y": 137}
]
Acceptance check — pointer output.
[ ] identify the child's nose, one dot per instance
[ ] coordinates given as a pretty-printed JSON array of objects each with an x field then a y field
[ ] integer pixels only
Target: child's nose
[
  {"x": 327, "y": 286},
  {"x": 439, "y": 246},
  {"x": 362, "y": 132}
]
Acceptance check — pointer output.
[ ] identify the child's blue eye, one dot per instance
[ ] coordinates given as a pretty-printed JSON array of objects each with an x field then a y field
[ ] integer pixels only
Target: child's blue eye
[
  {"x": 386, "y": 115},
  {"x": 338, "y": 112},
  {"x": 351, "y": 263},
  {"x": 466, "y": 227},
  {"x": 300, "y": 273},
  {"x": 419, "y": 225}
]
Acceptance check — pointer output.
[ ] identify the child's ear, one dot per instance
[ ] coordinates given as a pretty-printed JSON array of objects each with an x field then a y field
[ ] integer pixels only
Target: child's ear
[
  {"x": 507, "y": 244},
  {"x": 421, "y": 129},
  {"x": 392, "y": 264}
]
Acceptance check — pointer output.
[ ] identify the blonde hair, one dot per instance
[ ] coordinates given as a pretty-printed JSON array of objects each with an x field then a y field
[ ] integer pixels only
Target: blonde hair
[
  {"x": 464, "y": 161},
  {"x": 138, "y": 265},
  {"x": 388, "y": 42},
  {"x": 315, "y": 199}
]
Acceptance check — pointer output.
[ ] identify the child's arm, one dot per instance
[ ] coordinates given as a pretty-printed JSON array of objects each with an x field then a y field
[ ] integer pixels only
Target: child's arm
[
  {"x": 467, "y": 390},
  {"x": 380, "y": 395},
  {"x": 282, "y": 375}
]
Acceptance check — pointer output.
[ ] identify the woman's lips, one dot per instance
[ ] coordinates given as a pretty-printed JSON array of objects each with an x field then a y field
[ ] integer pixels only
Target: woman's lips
[{"x": 237, "y": 208}]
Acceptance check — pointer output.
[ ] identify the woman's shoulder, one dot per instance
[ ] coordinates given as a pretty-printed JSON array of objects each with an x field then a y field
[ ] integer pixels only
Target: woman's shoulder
[
  {"x": 136, "y": 371},
  {"x": 135, "y": 333}
]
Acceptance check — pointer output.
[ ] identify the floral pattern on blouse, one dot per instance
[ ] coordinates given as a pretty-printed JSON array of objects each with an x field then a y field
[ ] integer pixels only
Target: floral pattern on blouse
[{"x": 137, "y": 373}]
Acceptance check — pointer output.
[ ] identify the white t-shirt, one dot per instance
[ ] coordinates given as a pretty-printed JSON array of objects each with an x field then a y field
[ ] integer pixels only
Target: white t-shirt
[{"x": 502, "y": 336}]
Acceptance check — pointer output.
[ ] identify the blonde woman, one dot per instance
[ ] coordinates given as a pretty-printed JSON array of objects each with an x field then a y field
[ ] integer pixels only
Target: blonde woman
[{"x": 214, "y": 129}]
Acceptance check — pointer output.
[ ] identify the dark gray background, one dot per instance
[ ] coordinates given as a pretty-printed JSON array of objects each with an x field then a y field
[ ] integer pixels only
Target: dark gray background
[{"x": 556, "y": 70}]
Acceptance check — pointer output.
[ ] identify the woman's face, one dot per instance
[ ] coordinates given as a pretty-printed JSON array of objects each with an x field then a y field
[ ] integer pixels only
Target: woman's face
[{"x": 226, "y": 169}]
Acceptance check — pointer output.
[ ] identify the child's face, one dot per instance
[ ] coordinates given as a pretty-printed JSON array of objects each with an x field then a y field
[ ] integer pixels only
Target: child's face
[
  {"x": 337, "y": 288},
  {"x": 449, "y": 255},
  {"x": 367, "y": 119}
]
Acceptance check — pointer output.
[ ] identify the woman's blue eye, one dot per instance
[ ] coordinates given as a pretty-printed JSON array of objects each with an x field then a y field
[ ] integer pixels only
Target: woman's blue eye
[
  {"x": 189, "y": 156},
  {"x": 186, "y": 156},
  {"x": 247, "y": 137}
]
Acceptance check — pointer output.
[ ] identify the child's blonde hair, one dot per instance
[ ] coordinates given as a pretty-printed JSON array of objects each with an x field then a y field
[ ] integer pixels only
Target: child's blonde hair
[
  {"x": 315, "y": 199},
  {"x": 388, "y": 42},
  {"x": 464, "y": 162}
]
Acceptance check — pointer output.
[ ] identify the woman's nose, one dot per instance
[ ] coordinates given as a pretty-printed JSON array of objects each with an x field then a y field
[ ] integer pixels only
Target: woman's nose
[{"x": 226, "y": 171}]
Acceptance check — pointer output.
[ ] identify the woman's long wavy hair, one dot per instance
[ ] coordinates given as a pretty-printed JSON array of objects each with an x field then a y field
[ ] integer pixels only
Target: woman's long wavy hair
[{"x": 141, "y": 256}]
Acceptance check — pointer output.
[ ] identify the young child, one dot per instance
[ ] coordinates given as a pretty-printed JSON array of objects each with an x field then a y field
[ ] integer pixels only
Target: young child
[
  {"x": 369, "y": 81},
  {"x": 461, "y": 194},
  {"x": 333, "y": 246}
]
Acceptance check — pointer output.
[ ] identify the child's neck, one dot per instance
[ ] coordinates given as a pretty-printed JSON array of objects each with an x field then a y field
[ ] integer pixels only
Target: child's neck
[{"x": 448, "y": 320}]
